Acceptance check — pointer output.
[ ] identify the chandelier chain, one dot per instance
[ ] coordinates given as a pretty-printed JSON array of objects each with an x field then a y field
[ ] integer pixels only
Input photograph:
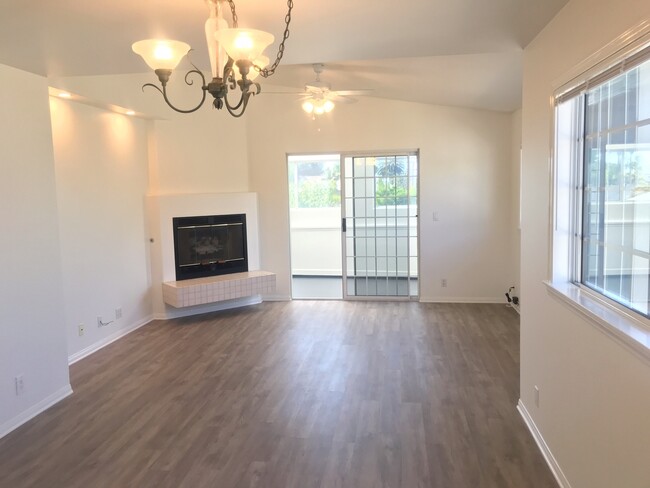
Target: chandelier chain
[
  {"x": 235, "y": 20},
  {"x": 220, "y": 87},
  {"x": 266, "y": 72}
]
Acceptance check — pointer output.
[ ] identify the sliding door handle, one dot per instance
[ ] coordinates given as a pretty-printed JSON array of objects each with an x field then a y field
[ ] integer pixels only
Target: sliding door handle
[{"x": 343, "y": 225}]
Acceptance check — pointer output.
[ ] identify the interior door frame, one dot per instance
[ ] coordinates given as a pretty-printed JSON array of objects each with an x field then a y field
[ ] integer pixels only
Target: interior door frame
[{"x": 375, "y": 153}]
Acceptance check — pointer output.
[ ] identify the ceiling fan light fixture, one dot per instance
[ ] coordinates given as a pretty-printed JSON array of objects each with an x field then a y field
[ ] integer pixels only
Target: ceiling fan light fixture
[
  {"x": 162, "y": 54},
  {"x": 318, "y": 106},
  {"x": 308, "y": 106}
]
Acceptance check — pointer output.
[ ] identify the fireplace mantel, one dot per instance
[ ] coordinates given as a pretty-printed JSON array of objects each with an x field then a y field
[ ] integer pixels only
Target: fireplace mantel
[{"x": 212, "y": 289}]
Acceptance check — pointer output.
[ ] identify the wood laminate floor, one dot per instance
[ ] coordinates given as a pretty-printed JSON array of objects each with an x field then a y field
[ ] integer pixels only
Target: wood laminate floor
[{"x": 292, "y": 395}]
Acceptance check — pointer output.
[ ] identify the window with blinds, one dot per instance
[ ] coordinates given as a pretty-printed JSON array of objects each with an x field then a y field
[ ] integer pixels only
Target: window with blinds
[{"x": 603, "y": 133}]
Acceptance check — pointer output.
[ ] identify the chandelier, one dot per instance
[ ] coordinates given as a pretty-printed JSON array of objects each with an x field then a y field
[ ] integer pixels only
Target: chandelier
[{"x": 236, "y": 59}]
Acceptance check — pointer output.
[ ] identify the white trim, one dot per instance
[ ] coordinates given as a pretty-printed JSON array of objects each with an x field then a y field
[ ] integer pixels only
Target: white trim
[
  {"x": 87, "y": 351},
  {"x": 615, "y": 51},
  {"x": 34, "y": 410},
  {"x": 462, "y": 300},
  {"x": 616, "y": 324},
  {"x": 516, "y": 308},
  {"x": 277, "y": 298},
  {"x": 543, "y": 447},
  {"x": 306, "y": 272}
]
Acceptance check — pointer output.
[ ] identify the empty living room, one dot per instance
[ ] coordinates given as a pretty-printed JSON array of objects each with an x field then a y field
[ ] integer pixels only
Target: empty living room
[{"x": 292, "y": 244}]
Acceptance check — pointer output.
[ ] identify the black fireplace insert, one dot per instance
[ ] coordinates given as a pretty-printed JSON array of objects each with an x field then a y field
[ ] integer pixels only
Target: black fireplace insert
[{"x": 210, "y": 245}]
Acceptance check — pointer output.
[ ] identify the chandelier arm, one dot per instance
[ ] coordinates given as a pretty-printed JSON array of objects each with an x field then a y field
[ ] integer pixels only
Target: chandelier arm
[
  {"x": 232, "y": 111},
  {"x": 188, "y": 81},
  {"x": 229, "y": 77},
  {"x": 242, "y": 98},
  {"x": 243, "y": 101}
]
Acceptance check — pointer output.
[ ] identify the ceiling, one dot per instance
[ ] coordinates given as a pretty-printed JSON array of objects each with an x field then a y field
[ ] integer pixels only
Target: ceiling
[{"x": 461, "y": 52}]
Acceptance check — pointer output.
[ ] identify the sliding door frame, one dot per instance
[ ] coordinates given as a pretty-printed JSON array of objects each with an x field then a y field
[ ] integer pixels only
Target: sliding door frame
[{"x": 371, "y": 154}]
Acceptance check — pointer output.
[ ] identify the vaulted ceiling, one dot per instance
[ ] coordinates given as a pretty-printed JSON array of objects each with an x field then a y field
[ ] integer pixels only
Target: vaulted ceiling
[{"x": 460, "y": 52}]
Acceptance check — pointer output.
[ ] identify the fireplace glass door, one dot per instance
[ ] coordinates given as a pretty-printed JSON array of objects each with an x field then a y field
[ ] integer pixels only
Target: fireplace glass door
[{"x": 210, "y": 245}]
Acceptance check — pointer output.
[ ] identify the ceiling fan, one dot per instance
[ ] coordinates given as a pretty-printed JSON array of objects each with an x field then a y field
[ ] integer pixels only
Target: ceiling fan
[{"x": 319, "y": 98}]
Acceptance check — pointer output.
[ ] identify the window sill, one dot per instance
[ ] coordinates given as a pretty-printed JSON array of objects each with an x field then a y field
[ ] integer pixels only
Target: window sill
[{"x": 622, "y": 327}]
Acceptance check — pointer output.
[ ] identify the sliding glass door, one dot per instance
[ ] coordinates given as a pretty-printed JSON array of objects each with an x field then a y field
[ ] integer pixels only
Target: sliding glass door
[
  {"x": 315, "y": 225},
  {"x": 380, "y": 226}
]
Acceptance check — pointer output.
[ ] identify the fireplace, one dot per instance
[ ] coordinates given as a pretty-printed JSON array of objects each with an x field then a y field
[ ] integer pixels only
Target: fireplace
[{"x": 210, "y": 245}]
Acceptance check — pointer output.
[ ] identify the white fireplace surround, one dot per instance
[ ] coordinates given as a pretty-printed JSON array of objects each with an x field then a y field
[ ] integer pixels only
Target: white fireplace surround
[{"x": 161, "y": 209}]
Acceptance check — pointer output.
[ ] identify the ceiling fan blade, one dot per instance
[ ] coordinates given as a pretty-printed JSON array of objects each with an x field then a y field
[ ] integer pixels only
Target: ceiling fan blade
[
  {"x": 282, "y": 92},
  {"x": 341, "y": 99},
  {"x": 353, "y": 92}
]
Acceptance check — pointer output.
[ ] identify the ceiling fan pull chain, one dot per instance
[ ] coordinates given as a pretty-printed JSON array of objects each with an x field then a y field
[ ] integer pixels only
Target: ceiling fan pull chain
[{"x": 266, "y": 72}]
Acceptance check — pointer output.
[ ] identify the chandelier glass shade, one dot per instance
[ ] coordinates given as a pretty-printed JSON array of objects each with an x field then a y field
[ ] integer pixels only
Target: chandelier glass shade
[
  {"x": 244, "y": 44},
  {"x": 161, "y": 53},
  {"x": 236, "y": 59}
]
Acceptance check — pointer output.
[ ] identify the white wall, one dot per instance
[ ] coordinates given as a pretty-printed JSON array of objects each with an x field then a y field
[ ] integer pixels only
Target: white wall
[
  {"x": 594, "y": 392},
  {"x": 465, "y": 158},
  {"x": 465, "y": 171},
  {"x": 32, "y": 330},
  {"x": 205, "y": 152},
  {"x": 202, "y": 152},
  {"x": 101, "y": 177},
  {"x": 515, "y": 197}
]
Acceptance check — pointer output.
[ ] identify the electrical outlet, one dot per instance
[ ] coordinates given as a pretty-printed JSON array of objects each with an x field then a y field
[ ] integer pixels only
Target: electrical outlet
[
  {"x": 20, "y": 385},
  {"x": 118, "y": 313},
  {"x": 82, "y": 329},
  {"x": 536, "y": 396},
  {"x": 443, "y": 283}
]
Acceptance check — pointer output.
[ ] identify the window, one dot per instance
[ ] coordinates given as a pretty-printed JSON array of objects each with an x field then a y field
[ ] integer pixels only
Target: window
[{"x": 602, "y": 180}]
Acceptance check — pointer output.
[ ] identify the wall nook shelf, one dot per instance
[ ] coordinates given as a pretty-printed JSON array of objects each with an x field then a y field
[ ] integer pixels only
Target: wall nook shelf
[{"x": 211, "y": 289}]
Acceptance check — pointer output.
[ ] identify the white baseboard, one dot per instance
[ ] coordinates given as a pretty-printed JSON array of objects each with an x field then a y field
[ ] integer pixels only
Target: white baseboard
[
  {"x": 34, "y": 410},
  {"x": 462, "y": 300},
  {"x": 543, "y": 447},
  {"x": 277, "y": 298},
  {"x": 77, "y": 356},
  {"x": 330, "y": 273}
]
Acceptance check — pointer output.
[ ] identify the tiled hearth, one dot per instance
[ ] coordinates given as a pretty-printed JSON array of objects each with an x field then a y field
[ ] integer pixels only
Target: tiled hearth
[{"x": 213, "y": 289}]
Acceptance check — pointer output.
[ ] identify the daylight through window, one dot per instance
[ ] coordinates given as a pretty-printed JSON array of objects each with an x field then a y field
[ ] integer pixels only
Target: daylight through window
[{"x": 603, "y": 137}]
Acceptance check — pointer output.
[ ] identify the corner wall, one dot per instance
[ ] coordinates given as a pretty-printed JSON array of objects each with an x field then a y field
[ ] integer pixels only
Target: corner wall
[
  {"x": 515, "y": 200},
  {"x": 32, "y": 331},
  {"x": 594, "y": 392},
  {"x": 101, "y": 179}
]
